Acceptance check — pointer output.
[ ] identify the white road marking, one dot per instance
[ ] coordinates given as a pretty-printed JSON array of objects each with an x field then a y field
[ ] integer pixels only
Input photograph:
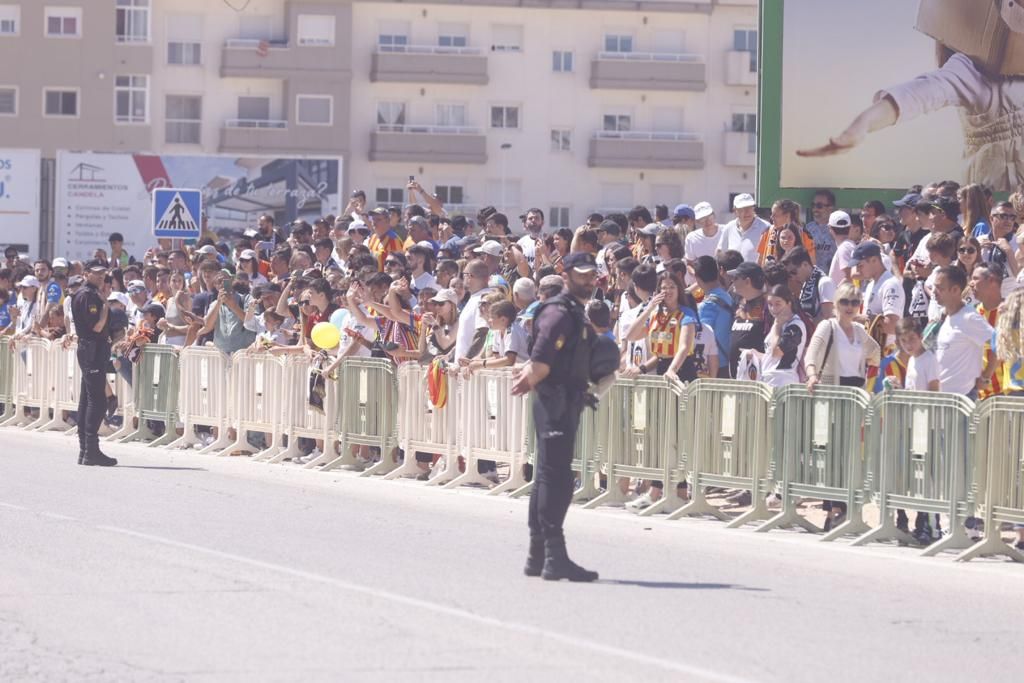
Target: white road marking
[
  {"x": 54, "y": 515},
  {"x": 582, "y": 643},
  {"x": 12, "y": 506}
]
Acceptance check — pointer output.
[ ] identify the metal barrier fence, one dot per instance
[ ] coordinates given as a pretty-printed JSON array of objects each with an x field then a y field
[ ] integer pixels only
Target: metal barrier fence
[
  {"x": 155, "y": 387},
  {"x": 30, "y": 383},
  {"x": 424, "y": 427},
  {"x": 300, "y": 420},
  {"x": 203, "y": 397},
  {"x": 364, "y": 398},
  {"x": 6, "y": 379},
  {"x": 255, "y": 400},
  {"x": 65, "y": 377}
]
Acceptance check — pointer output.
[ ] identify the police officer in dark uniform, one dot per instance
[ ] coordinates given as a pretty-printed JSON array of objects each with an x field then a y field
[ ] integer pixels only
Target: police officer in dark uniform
[
  {"x": 90, "y": 313},
  {"x": 558, "y": 372}
]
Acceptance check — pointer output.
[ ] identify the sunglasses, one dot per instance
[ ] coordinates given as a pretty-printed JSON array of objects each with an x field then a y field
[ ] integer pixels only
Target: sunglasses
[
  {"x": 849, "y": 302},
  {"x": 967, "y": 250},
  {"x": 392, "y": 263},
  {"x": 819, "y": 205},
  {"x": 886, "y": 227},
  {"x": 305, "y": 302},
  {"x": 1004, "y": 216}
]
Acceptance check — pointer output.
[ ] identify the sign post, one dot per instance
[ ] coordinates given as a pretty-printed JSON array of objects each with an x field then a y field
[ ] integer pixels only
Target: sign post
[{"x": 177, "y": 213}]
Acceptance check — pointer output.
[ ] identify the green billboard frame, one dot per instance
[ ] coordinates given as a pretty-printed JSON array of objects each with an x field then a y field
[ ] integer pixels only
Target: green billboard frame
[{"x": 769, "y": 139}]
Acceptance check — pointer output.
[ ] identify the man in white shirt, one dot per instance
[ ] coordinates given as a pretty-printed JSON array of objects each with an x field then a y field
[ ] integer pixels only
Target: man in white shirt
[
  {"x": 884, "y": 295},
  {"x": 704, "y": 240},
  {"x": 960, "y": 346},
  {"x": 744, "y": 232},
  {"x": 840, "y": 225},
  {"x": 420, "y": 257},
  {"x": 608, "y": 236},
  {"x": 472, "y": 326},
  {"x": 534, "y": 224}
]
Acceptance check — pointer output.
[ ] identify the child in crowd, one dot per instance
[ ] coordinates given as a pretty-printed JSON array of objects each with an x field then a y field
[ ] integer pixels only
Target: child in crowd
[{"x": 508, "y": 340}]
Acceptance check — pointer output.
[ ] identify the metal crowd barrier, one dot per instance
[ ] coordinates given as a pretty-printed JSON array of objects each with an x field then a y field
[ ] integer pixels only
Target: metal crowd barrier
[
  {"x": 125, "y": 407},
  {"x": 6, "y": 379},
  {"x": 425, "y": 428},
  {"x": 917, "y": 460},
  {"x": 365, "y": 409},
  {"x": 31, "y": 383},
  {"x": 65, "y": 377},
  {"x": 155, "y": 385},
  {"x": 255, "y": 403},
  {"x": 300, "y": 419},
  {"x": 648, "y": 435},
  {"x": 999, "y": 486},
  {"x": 203, "y": 396},
  {"x": 730, "y": 446},
  {"x": 818, "y": 438}
]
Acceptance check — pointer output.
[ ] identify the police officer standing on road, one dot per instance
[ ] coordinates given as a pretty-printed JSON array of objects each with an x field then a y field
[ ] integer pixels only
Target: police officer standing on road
[
  {"x": 558, "y": 372},
  {"x": 90, "y": 313}
]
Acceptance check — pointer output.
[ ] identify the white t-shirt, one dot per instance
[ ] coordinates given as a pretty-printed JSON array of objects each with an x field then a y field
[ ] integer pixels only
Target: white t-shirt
[
  {"x": 921, "y": 370},
  {"x": 884, "y": 296},
  {"x": 342, "y": 319},
  {"x": 704, "y": 347},
  {"x": 529, "y": 247},
  {"x": 470, "y": 321},
  {"x": 636, "y": 351},
  {"x": 513, "y": 340},
  {"x": 743, "y": 241},
  {"x": 424, "y": 280},
  {"x": 783, "y": 370},
  {"x": 960, "y": 350},
  {"x": 848, "y": 352},
  {"x": 841, "y": 260},
  {"x": 698, "y": 244}
]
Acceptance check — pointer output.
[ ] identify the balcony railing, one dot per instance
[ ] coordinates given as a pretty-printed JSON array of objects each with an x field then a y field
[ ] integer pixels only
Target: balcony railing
[
  {"x": 255, "y": 43},
  {"x": 650, "y": 56},
  {"x": 645, "y": 135},
  {"x": 428, "y": 50},
  {"x": 427, "y": 128},
  {"x": 255, "y": 123}
]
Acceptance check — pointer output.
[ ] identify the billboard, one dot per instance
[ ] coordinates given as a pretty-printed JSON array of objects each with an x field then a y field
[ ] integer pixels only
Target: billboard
[
  {"x": 874, "y": 96},
  {"x": 100, "y": 193},
  {"x": 19, "y": 199}
]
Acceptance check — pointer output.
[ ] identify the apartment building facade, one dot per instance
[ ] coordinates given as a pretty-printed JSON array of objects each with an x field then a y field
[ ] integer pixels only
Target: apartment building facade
[{"x": 570, "y": 105}]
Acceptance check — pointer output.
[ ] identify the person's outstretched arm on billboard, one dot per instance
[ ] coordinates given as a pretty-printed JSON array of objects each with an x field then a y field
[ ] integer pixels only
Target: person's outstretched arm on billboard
[{"x": 879, "y": 115}]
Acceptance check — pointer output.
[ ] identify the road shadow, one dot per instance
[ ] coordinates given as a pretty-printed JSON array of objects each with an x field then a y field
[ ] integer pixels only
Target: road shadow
[
  {"x": 691, "y": 585},
  {"x": 160, "y": 467}
]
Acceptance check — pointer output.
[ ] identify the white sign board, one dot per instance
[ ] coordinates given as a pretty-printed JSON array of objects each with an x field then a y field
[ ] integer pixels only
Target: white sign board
[{"x": 19, "y": 199}]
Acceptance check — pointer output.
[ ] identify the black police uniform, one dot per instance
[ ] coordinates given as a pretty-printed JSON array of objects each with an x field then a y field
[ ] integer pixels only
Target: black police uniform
[
  {"x": 562, "y": 341},
  {"x": 93, "y": 356}
]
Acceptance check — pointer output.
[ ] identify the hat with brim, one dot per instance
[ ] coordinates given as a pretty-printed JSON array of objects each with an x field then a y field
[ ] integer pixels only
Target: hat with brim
[
  {"x": 703, "y": 210},
  {"x": 29, "y": 281},
  {"x": 651, "y": 229},
  {"x": 580, "y": 262},
  {"x": 864, "y": 251},
  {"x": 445, "y": 295},
  {"x": 743, "y": 201},
  {"x": 491, "y": 248}
]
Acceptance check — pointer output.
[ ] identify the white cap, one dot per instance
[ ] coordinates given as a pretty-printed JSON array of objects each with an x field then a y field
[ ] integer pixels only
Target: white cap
[
  {"x": 119, "y": 297},
  {"x": 446, "y": 295},
  {"x": 207, "y": 249},
  {"x": 357, "y": 225},
  {"x": 60, "y": 262},
  {"x": 742, "y": 201},
  {"x": 703, "y": 210},
  {"x": 247, "y": 254},
  {"x": 491, "y": 248},
  {"x": 29, "y": 281},
  {"x": 839, "y": 219}
]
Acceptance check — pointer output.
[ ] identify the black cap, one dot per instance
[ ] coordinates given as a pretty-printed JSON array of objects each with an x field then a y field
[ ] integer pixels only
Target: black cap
[
  {"x": 947, "y": 205},
  {"x": 154, "y": 308},
  {"x": 580, "y": 261},
  {"x": 609, "y": 227},
  {"x": 115, "y": 237},
  {"x": 865, "y": 250},
  {"x": 747, "y": 269},
  {"x": 96, "y": 264}
]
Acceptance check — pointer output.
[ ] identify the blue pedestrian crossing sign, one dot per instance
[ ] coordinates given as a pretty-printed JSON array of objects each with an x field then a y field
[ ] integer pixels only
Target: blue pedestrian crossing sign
[{"x": 177, "y": 213}]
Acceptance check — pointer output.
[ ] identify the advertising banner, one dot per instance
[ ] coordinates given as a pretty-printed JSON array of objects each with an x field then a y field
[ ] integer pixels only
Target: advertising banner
[
  {"x": 19, "y": 200},
  {"x": 98, "y": 194},
  {"x": 874, "y": 96}
]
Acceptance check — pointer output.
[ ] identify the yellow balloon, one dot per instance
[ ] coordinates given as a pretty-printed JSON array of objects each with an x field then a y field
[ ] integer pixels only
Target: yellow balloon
[{"x": 325, "y": 335}]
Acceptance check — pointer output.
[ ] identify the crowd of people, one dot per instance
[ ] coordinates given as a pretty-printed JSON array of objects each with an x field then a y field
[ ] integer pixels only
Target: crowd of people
[{"x": 925, "y": 294}]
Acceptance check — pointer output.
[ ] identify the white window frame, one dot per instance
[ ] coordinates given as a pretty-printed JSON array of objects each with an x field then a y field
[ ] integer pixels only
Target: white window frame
[
  {"x": 506, "y": 107},
  {"x": 746, "y": 47},
  {"x": 558, "y": 59},
  {"x": 11, "y": 13},
  {"x": 439, "y": 106},
  {"x": 133, "y": 8},
  {"x": 78, "y": 102},
  {"x": 452, "y": 35},
  {"x": 620, "y": 38},
  {"x": 131, "y": 89},
  {"x": 396, "y": 126},
  {"x": 188, "y": 43},
  {"x": 63, "y": 12},
  {"x": 198, "y": 121},
  {"x": 445, "y": 196},
  {"x": 193, "y": 48},
  {"x": 17, "y": 100},
  {"x": 563, "y": 134},
  {"x": 316, "y": 42},
  {"x": 401, "y": 194},
  {"x": 553, "y": 219},
  {"x": 308, "y": 96},
  {"x": 499, "y": 47}
]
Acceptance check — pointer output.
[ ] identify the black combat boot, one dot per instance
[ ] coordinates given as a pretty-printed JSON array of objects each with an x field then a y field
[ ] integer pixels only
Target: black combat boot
[
  {"x": 535, "y": 558},
  {"x": 81, "y": 446},
  {"x": 96, "y": 458},
  {"x": 558, "y": 566}
]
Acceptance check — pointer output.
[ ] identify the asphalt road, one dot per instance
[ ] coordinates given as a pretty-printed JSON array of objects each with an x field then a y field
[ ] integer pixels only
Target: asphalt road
[{"x": 176, "y": 566}]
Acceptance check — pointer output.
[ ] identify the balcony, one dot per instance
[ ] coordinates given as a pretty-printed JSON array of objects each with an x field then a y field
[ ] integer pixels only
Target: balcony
[
  {"x": 738, "y": 69},
  {"x": 428, "y": 144},
  {"x": 648, "y": 71},
  {"x": 244, "y": 136},
  {"x": 647, "y": 150},
  {"x": 250, "y": 58},
  {"x": 429, "y": 64},
  {"x": 740, "y": 148}
]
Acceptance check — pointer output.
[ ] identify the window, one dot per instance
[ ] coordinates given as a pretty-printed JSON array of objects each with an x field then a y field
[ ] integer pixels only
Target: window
[
  {"x": 507, "y": 38},
  {"x": 451, "y": 115},
  {"x": 452, "y": 35},
  {"x": 617, "y": 123},
  {"x": 745, "y": 40},
  {"x": 316, "y": 30},
  {"x": 60, "y": 102},
  {"x": 132, "y": 21},
  {"x": 314, "y": 110},
  {"x": 561, "y": 61},
  {"x": 131, "y": 99},
  {"x": 561, "y": 140},
  {"x": 10, "y": 20},
  {"x": 449, "y": 194},
  {"x": 8, "y": 100},
  {"x": 253, "y": 111},
  {"x": 618, "y": 43},
  {"x": 746, "y": 123},
  {"x": 390, "y": 195},
  {"x": 184, "y": 39},
  {"x": 391, "y": 116},
  {"x": 63, "y": 22},
  {"x": 184, "y": 119},
  {"x": 390, "y": 42},
  {"x": 558, "y": 217},
  {"x": 504, "y": 117}
]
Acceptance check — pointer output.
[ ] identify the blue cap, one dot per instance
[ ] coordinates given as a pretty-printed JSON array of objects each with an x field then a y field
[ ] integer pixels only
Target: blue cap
[
  {"x": 865, "y": 250},
  {"x": 683, "y": 211},
  {"x": 909, "y": 200},
  {"x": 580, "y": 261}
]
